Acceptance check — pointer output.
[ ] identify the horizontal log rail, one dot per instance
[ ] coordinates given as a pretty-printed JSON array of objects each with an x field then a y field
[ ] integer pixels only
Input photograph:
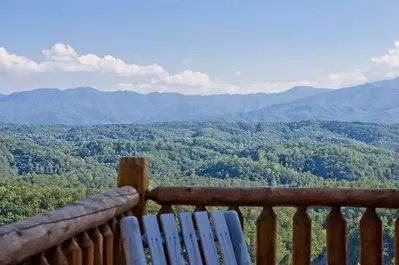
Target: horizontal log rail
[
  {"x": 318, "y": 197},
  {"x": 27, "y": 238},
  {"x": 88, "y": 233},
  {"x": 370, "y": 226}
]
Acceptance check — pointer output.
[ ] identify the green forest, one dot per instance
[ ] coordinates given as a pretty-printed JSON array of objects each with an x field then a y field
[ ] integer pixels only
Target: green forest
[{"x": 46, "y": 167}]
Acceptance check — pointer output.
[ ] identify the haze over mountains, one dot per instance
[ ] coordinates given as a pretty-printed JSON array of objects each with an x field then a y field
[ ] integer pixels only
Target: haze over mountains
[{"x": 371, "y": 102}]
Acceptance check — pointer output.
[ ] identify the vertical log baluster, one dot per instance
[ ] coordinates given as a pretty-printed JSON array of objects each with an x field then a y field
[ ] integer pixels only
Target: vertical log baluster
[
  {"x": 200, "y": 208},
  {"x": 397, "y": 241},
  {"x": 266, "y": 237},
  {"x": 134, "y": 172},
  {"x": 240, "y": 215},
  {"x": 165, "y": 209},
  {"x": 87, "y": 248},
  {"x": 97, "y": 240},
  {"x": 337, "y": 244},
  {"x": 108, "y": 244},
  {"x": 301, "y": 237},
  {"x": 72, "y": 252},
  {"x": 120, "y": 249},
  {"x": 370, "y": 229},
  {"x": 56, "y": 256},
  {"x": 39, "y": 260},
  {"x": 114, "y": 225}
]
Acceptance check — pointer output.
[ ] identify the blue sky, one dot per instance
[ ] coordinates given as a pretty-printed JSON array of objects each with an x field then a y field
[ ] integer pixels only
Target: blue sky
[{"x": 197, "y": 47}]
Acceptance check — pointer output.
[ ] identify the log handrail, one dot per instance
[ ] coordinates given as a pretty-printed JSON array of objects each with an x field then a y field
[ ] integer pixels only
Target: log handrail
[
  {"x": 297, "y": 197},
  {"x": 88, "y": 232},
  {"x": 26, "y": 238}
]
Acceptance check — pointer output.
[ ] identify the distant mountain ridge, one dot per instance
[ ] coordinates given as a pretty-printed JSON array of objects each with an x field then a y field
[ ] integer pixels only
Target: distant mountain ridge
[
  {"x": 372, "y": 102},
  {"x": 83, "y": 106},
  {"x": 366, "y": 103}
]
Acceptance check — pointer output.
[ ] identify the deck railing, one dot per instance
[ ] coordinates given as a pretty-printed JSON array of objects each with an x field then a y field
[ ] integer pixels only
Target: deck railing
[{"x": 87, "y": 233}]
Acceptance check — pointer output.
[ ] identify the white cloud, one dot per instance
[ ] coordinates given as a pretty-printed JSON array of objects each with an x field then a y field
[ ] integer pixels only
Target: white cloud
[
  {"x": 347, "y": 79},
  {"x": 63, "y": 58},
  {"x": 391, "y": 58},
  {"x": 19, "y": 64},
  {"x": 187, "y": 77},
  {"x": 63, "y": 67},
  {"x": 385, "y": 66}
]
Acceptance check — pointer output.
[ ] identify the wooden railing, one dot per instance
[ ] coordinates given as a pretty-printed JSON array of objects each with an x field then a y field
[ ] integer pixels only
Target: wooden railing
[{"x": 87, "y": 233}]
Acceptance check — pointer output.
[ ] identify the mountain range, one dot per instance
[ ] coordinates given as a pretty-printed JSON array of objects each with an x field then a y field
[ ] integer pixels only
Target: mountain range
[{"x": 371, "y": 102}]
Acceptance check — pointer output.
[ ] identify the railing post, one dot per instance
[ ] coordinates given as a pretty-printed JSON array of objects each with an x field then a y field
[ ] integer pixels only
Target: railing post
[{"x": 134, "y": 172}]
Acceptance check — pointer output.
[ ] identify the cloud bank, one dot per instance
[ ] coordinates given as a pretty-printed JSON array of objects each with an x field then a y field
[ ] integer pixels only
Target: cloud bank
[{"x": 62, "y": 66}]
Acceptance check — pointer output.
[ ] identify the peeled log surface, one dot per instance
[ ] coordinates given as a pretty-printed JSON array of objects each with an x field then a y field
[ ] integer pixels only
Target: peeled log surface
[
  {"x": 336, "y": 238},
  {"x": 266, "y": 237},
  {"x": 26, "y": 238},
  {"x": 301, "y": 237},
  {"x": 384, "y": 198},
  {"x": 370, "y": 229}
]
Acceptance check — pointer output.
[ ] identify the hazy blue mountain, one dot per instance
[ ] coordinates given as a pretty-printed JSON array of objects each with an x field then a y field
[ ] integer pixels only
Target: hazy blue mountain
[
  {"x": 372, "y": 102},
  {"x": 367, "y": 103},
  {"x": 89, "y": 106},
  {"x": 2, "y": 95},
  {"x": 393, "y": 83}
]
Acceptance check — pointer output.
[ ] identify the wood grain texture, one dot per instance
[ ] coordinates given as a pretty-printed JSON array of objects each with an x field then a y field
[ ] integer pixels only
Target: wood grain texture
[
  {"x": 209, "y": 196},
  {"x": 266, "y": 237},
  {"x": 119, "y": 251},
  {"x": 301, "y": 237},
  {"x": 26, "y": 238},
  {"x": 73, "y": 253},
  {"x": 108, "y": 241},
  {"x": 370, "y": 230},
  {"x": 97, "y": 239},
  {"x": 134, "y": 172},
  {"x": 87, "y": 248},
  {"x": 39, "y": 260},
  {"x": 56, "y": 256},
  {"x": 337, "y": 243}
]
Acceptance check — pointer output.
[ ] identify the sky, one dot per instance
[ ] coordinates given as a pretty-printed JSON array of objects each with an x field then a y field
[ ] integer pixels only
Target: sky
[{"x": 197, "y": 46}]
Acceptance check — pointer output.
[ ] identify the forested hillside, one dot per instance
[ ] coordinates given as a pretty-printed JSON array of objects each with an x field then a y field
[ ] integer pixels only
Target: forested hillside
[{"x": 46, "y": 167}]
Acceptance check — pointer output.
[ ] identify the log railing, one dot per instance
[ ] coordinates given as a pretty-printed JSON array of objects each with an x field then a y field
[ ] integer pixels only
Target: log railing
[
  {"x": 268, "y": 198},
  {"x": 88, "y": 232}
]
